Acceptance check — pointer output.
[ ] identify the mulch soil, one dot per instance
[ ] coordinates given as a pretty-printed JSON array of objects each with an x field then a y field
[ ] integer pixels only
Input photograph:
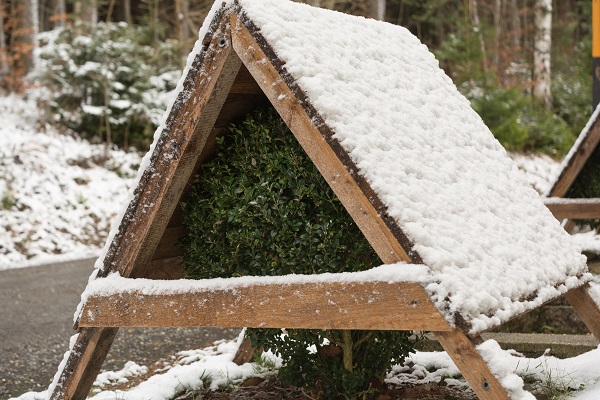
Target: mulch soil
[{"x": 273, "y": 389}]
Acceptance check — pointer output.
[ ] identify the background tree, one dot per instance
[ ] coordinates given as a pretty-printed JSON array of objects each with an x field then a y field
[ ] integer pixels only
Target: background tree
[{"x": 541, "y": 52}]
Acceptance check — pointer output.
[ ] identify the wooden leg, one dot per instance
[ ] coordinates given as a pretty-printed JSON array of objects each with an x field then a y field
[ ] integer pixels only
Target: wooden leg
[
  {"x": 586, "y": 307},
  {"x": 83, "y": 365},
  {"x": 468, "y": 360}
]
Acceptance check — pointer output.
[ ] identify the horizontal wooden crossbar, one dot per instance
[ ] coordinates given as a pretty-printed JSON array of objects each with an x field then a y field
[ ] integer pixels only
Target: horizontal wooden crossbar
[
  {"x": 321, "y": 305},
  {"x": 573, "y": 208}
]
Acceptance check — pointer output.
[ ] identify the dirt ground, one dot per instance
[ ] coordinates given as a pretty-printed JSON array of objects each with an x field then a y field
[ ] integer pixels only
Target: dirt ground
[{"x": 260, "y": 389}]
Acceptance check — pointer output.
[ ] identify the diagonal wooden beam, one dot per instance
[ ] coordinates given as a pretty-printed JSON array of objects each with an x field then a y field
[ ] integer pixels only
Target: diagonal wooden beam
[
  {"x": 363, "y": 205},
  {"x": 470, "y": 363},
  {"x": 311, "y": 305},
  {"x": 577, "y": 161},
  {"x": 185, "y": 133},
  {"x": 586, "y": 307}
]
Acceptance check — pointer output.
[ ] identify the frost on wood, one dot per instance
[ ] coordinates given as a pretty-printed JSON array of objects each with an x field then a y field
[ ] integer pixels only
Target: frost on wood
[
  {"x": 114, "y": 284},
  {"x": 494, "y": 249}
]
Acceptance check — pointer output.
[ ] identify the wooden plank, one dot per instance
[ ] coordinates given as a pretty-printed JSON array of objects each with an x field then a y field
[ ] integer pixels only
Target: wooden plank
[
  {"x": 587, "y": 309},
  {"x": 385, "y": 237},
  {"x": 166, "y": 269},
  {"x": 328, "y": 305},
  {"x": 187, "y": 127},
  {"x": 184, "y": 136},
  {"x": 573, "y": 208},
  {"x": 576, "y": 163},
  {"x": 475, "y": 370},
  {"x": 245, "y": 84},
  {"x": 169, "y": 246},
  {"x": 83, "y": 364}
]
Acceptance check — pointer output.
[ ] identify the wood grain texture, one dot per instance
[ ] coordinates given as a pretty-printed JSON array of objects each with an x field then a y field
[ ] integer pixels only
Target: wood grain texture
[
  {"x": 83, "y": 364},
  {"x": 587, "y": 309},
  {"x": 468, "y": 360},
  {"x": 576, "y": 163},
  {"x": 318, "y": 146},
  {"x": 184, "y": 135},
  {"x": 169, "y": 246},
  {"x": 573, "y": 208},
  {"x": 166, "y": 269},
  {"x": 335, "y": 305},
  {"x": 190, "y": 121}
]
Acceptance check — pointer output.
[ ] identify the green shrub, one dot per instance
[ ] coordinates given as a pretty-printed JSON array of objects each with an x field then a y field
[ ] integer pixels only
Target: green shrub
[
  {"x": 102, "y": 73},
  {"x": 520, "y": 124},
  {"x": 260, "y": 207}
]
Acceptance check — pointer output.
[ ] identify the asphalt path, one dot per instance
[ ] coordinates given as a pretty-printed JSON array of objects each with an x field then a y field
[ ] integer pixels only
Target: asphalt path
[{"x": 36, "y": 319}]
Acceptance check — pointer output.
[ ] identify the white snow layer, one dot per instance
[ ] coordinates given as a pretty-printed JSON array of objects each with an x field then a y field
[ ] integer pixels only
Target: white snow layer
[
  {"x": 213, "y": 367},
  {"x": 488, "y": 238},
  {"x": 114, "y": 284},
  {"x": 58, "y": 193}
]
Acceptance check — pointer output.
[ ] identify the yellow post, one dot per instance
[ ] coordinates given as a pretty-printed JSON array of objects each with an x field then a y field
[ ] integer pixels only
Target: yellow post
[{"x": 596, "y": 52}]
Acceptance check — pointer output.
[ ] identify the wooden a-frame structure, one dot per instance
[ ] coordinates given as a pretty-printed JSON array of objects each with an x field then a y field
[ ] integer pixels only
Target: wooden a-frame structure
[
  {"x": 235, "y": 69},
  {"x": 579, "y": 155}
]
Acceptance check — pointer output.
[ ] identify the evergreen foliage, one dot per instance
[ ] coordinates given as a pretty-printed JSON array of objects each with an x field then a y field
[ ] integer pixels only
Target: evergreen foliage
[
  {"x": 261, "y": 207},
  {"x": 105, "y": 81},
  {"x": 521, "y": 124}
]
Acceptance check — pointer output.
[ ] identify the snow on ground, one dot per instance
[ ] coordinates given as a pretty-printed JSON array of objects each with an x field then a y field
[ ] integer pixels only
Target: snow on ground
[
  {"x": 58, "y": 193},
  {"x": 213, "y": 367}
]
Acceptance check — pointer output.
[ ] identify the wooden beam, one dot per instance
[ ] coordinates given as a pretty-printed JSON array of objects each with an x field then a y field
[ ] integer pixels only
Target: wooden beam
[
  {"x": 577, "y": 161},
  {"x": 184, "y": 136},
  {"x": 573, "y": 208},
  {"x": 185, "y": 133},
  {"x": 169, "y": 246},
  {"x": 323, "y": 305},
  {"x": 83, "y": 364},
  {"x": 585, "y": 306},
  {"x": 166, "y": 269},
  {"x": 385, "y": 236},
  {"x": 468, "y": 360}
]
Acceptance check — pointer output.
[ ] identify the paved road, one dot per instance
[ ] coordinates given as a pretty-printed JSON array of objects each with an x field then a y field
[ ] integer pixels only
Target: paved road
[{"x": 36, "y": 317}]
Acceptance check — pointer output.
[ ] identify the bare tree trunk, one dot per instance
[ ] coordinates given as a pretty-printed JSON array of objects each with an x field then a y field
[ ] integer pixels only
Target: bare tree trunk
[
  {"x": 376, "y": 9},
  {"x": 541, "y": 52},
  {"x": 60, "y": 14},
  {"x": 4, "y": 64},
  {"x": 87, "y": 10},
  {"x": 21, "y": 42},
  {"x": 127, "y": 9},
  {"x": 516, "y": 24},
  {"x": 474, "y": 12},
  {"x": 497, "y": 35},
  {"x": 181, "y": 28}
]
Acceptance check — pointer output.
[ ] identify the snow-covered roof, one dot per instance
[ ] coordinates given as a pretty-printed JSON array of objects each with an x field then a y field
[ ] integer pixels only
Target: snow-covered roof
[{"x": 492, "y": 246}]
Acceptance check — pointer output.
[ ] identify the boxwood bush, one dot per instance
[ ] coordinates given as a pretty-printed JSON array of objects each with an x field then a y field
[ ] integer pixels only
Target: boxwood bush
[{"x": 260, "y": 207}]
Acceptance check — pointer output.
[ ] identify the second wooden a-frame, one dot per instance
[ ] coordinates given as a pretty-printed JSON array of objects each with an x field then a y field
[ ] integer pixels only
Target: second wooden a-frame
[
  {"x": 235, "y": 69},
  {"x": 557, "y": 199}
]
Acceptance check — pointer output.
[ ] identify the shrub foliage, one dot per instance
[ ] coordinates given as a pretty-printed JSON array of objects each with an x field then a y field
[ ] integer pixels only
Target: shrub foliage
[
  {"x": 260, "y": 207},
  {"x": 107, "y": 82}
]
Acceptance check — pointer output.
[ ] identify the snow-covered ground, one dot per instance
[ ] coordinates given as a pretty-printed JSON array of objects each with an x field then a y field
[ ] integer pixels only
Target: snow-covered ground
[
  {"x": 214, "y": 367},
  {"x": 59, "y": 195}
]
